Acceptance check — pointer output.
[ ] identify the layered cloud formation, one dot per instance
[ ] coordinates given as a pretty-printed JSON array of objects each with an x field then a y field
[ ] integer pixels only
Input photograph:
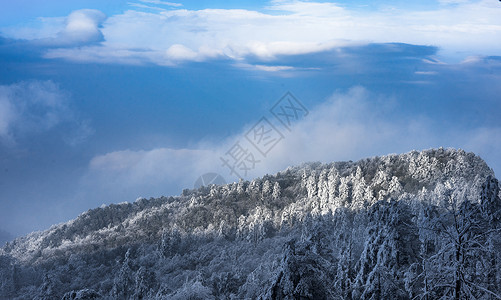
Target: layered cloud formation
[{"x": 153, "y": 34}]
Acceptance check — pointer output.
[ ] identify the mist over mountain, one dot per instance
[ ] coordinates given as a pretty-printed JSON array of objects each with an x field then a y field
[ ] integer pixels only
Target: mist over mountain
[{"x": 419, "y": 225}]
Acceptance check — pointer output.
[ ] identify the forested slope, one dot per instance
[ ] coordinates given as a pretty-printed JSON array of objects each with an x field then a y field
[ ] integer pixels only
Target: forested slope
[{"x": 418, "y": 225}]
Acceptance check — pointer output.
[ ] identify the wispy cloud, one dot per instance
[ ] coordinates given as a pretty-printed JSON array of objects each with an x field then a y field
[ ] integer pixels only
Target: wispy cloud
[
  {"x": 425, "y": 73},
  {"x": 139, "y": 5},
  {"x": 154, "y": 5},
  {"x": 273, "y": 68},
  {"x": 35, "y": 107},
  {"x": 451, "y": 2},
  {"x": 162, "y": 3}
]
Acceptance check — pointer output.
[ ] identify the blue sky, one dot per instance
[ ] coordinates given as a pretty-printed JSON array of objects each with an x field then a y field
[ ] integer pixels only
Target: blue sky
[{"x": 107, "y": 101}]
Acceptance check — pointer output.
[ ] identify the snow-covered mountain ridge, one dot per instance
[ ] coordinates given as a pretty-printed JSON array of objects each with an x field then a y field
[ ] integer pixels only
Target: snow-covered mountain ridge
[{"x": 366, "y": 229}]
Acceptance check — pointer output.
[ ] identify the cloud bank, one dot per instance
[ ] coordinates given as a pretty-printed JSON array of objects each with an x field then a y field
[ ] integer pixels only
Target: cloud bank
[
  {"x": 350, "y": 125},
  {"x": 170, "y": 37}
]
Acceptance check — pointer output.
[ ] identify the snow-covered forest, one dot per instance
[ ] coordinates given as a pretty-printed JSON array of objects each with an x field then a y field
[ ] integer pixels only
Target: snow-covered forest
[{"x": 420, "y": 225}]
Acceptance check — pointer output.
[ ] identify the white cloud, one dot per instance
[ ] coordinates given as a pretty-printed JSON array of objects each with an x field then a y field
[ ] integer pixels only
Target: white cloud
[
  {"x": 139, "y": 5},
  {"x": 425, "y": 73},
  {"x": 83, "y": 26},
  {"x": 178, "y": 52},
  {"x": 38, "y": 106},
  {"x": 449, "y": 2},
  {"x": 125, "y": 175},
  {"x": 162, "y": 3},
  {"x": 273, "y": 68},
  {"x": 348, "y": 126},
  {"x": 110, "y": 55},
  {"x": 78, "y": 28},
  {"x": 285, "y": 28},
  {"x": 309, "y": 9}
]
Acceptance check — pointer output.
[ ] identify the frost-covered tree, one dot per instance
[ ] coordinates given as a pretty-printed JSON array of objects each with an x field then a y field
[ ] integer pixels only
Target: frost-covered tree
[
  {"x": 277, "y": 191},
  {"x": 332, "y": 183},
  {"x": 267, "y": 188},
  {"x": 303, "y": 274},
  {"x": 311, "y": 185},
  {"x": 461, "y": 266},
  {"x": 48, "y": 288},
  {"x": 84, "y": 294},
  {"x": 145, "y": 283},
  {"x": 192, "y": 290},
  {"x": 170, "y": 242},
  {"x": 123, "y": 286},
  {"x": 345, "y": 191},
  {"x": 8, "y": 277}
]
